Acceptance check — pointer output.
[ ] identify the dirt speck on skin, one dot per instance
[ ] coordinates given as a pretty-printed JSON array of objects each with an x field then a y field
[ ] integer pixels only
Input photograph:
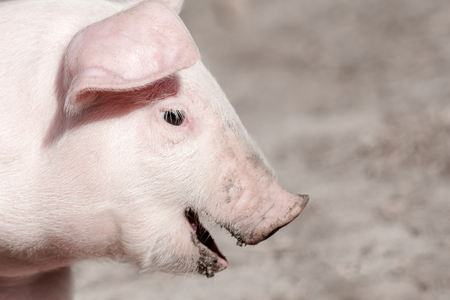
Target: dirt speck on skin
[
  {"x": 231, "y": 188},
  {"x": 257, "y": 161},
  {"x": 228, "y": 185},
  {"x": 208, "y": 263},
  {"x": 305, "y": 200}
]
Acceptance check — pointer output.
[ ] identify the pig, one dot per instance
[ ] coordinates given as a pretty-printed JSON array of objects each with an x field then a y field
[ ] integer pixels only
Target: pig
[{"x": 114, "y": 140}]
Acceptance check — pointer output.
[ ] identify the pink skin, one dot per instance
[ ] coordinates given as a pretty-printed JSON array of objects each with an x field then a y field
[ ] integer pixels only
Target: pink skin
[
  {"x": 247, "y": 199},
  {"x": 91, "y": 167},
  {"x": 91, "y": 67}
]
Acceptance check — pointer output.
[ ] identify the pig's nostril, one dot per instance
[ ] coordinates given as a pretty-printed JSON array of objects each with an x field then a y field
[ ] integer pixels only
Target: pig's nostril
[{"x": 304, "y": 201}]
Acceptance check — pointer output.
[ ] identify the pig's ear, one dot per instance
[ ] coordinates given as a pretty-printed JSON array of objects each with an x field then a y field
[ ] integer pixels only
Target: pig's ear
[
  {"x": 125, "y": 52},
  {"x": 176, "y": 5}
]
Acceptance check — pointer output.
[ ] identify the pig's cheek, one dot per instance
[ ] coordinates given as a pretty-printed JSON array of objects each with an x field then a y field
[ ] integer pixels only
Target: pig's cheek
[
  {"x": 162, "y": 141},
  {"x": 166, "y": 136}
]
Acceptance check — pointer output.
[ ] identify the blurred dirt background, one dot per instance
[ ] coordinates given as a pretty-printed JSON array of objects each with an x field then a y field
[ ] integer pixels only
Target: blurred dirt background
[{"x": 350, "y": 101}]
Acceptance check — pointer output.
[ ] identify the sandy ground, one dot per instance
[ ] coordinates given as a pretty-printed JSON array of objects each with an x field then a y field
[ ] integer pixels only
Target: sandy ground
[{"x": 349, "y": 99}]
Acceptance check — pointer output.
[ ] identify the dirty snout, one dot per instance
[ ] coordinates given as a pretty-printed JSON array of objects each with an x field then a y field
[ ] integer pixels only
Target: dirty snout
[
  {"x": 283, "y": 212},
  {"x": 252, "y": 204},
  {"x": 263, "y": 215},
  {"x": 255, "y": 204}
]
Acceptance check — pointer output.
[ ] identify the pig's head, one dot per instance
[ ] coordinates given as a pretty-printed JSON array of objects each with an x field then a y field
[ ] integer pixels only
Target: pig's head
[{"x": 171, "y": 145}]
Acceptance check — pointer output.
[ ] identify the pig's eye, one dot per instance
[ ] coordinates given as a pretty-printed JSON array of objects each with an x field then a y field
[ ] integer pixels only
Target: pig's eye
[{"x": 174, "y": 116}]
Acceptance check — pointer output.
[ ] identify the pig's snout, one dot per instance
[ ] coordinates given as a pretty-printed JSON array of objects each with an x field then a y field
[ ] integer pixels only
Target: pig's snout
[
  {"x": 260, "y": 221},
  {"x": 269, "y": 219},
  {"x": 304, "y": 199}
]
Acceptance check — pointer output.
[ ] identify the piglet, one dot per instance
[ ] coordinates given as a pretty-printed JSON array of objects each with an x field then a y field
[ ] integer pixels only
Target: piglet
[{"x": 114, "y": 138}]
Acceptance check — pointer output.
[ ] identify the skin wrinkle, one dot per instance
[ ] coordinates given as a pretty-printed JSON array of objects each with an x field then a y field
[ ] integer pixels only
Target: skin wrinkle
[
  {"x": 258, "y": 179},
  {"x": 264, "y": 216}
]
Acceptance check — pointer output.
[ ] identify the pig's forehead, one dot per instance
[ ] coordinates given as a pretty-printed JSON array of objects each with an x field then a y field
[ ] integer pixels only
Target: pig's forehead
[{"x": 198, "y": 82}]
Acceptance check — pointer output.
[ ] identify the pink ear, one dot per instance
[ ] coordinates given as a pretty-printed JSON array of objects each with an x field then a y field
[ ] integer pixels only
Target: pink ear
[
  {"x": 126, "y": 51},
  {"x": 176, "y": 5}
]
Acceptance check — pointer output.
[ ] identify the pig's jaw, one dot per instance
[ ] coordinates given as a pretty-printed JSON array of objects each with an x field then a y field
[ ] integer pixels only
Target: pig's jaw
[{"x": 211, "y": 260}]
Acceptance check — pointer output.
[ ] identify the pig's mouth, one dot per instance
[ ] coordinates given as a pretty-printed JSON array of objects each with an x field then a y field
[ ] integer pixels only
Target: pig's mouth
[{"x": 211, "y": 260}]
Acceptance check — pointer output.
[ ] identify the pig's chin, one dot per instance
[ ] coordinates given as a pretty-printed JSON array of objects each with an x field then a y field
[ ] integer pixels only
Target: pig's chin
[{"x": 211, "y": 260}]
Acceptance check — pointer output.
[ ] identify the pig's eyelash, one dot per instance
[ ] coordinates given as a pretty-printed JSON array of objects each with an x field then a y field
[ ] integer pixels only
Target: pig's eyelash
[{"x": 174, "y": 116}]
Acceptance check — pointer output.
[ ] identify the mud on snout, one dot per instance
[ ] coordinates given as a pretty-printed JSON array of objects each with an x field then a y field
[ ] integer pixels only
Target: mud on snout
[{"x": 211, "y": 260}]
